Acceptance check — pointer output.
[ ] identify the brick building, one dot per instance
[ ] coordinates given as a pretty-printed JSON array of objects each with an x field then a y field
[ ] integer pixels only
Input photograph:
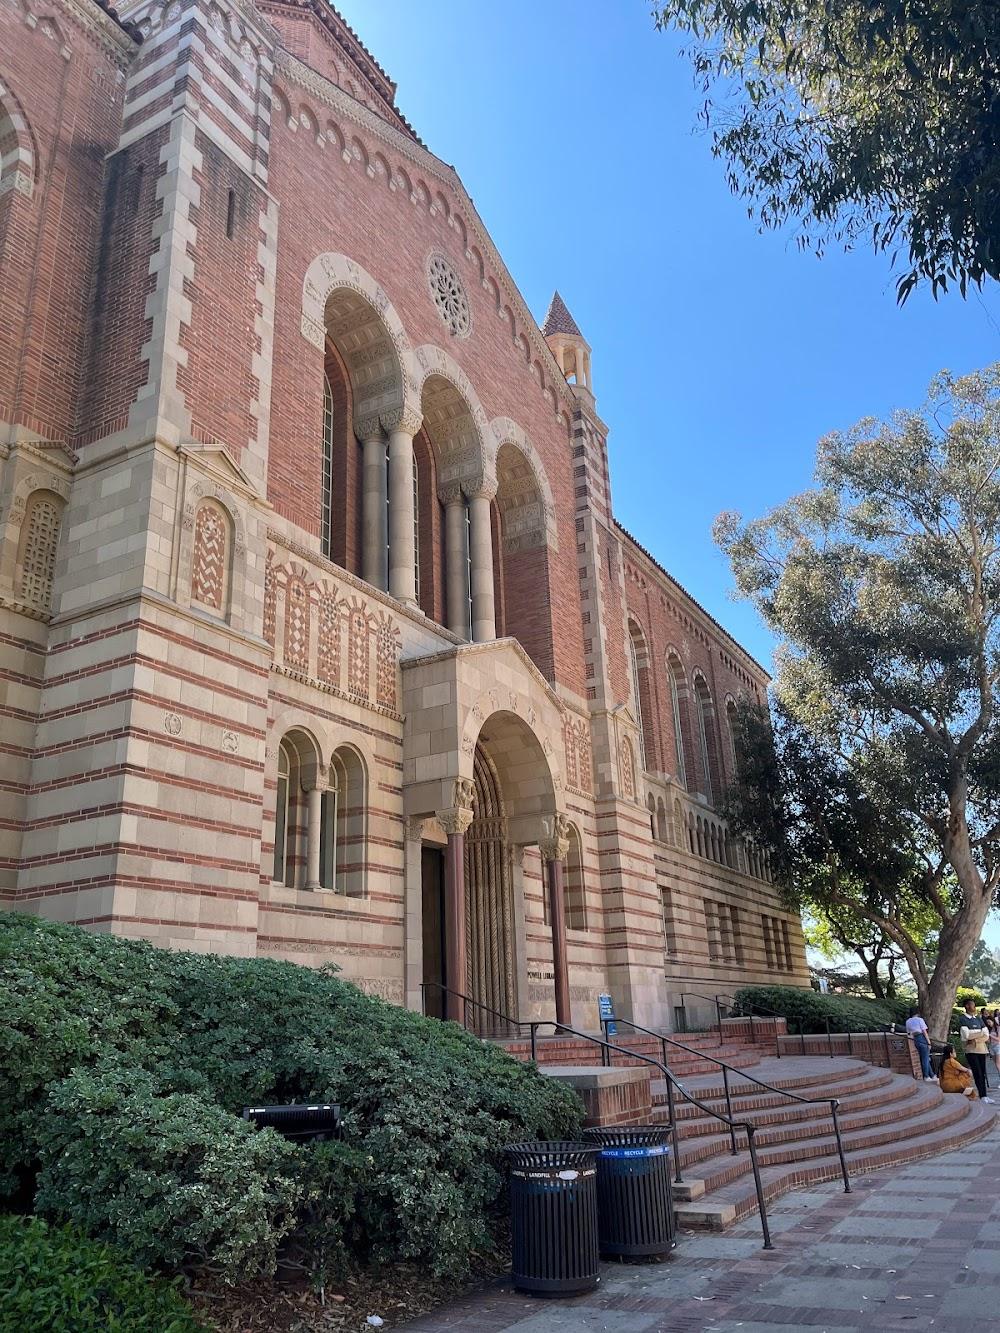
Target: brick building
[{"x": 318, "y": 637}]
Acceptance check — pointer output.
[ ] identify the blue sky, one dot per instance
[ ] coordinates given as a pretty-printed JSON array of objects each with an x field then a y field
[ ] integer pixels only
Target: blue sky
[{"x": 720, "y": 355}]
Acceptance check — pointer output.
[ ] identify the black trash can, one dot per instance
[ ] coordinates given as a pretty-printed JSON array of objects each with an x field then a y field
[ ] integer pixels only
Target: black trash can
[
  {"x": 553, "y": 1211},
  {"x": 635, "y": 1208}
]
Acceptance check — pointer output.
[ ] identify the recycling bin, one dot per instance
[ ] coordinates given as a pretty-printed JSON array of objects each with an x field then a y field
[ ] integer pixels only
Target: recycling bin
[
  {"x": 553, "y": 1209},
  {"x": 635, "y": 1208}
]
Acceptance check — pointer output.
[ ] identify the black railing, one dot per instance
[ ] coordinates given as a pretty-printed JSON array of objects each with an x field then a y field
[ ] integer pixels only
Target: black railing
[
  {"x": 832, "y": 1102},
  {"x": 730, "y": 1001},
  {"x": 673, "y": 1084}
]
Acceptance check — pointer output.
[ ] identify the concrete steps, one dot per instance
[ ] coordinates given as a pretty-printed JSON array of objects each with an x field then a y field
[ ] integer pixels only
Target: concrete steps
[{"x": 885, "y": 1119}]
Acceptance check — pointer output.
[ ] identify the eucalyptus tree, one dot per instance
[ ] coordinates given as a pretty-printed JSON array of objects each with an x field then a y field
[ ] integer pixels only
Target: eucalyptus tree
[
  {"x": 883, "y": 581},
  {"x": 851, "y": 119}
]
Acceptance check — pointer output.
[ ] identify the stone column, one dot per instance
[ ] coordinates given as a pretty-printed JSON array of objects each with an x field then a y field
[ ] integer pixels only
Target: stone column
[
  {"x": 402, "y": 426},
  {"x": 314, "y": 833},
  {"x": 374, "y": 482},
  {"x": 484, "y": 621},
  {"x": 554, "y": 846},
  {"x": 456, "y": 561},
  {"x": 455, "y": 821}
]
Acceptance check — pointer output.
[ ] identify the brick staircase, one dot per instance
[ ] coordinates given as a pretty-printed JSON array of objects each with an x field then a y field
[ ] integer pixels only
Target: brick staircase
[{"x": 885, "y": 1118}]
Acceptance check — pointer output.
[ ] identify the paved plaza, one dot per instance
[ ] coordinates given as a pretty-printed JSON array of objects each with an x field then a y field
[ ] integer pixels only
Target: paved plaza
[{"x": 911, "y": 1248}]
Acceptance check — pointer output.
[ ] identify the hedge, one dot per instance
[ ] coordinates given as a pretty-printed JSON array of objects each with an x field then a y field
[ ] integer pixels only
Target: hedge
[
  {"x": 846, "y": 1013},
  {"x": 54, "y": 1278},
  {"x": 124, "y": 1069}
]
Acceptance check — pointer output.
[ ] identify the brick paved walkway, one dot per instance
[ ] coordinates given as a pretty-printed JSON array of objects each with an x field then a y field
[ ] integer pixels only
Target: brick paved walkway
[{"x": 912, "y": 1248}]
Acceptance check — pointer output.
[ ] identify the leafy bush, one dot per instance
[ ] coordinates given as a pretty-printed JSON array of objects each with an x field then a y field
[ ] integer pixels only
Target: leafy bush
[
  {"x": 54, "y": 1278},
  {"x": 123, "y": 1070},
  {"x": 847, "y": 1013}
]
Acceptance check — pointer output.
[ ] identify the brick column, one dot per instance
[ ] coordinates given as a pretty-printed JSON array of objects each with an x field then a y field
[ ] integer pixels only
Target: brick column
[
  {"x": 455, "y": 821},
  {"x": 554, "y": 846}
]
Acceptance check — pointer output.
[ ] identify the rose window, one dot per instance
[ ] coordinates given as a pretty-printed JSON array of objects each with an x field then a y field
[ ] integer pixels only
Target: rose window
[{"x": 449, "y": 296}]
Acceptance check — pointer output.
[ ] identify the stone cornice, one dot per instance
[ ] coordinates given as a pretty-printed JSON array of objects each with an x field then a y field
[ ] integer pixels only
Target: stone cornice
[
  {"x": 108, "y": 31},
  {"x": 300, "y": 73}
]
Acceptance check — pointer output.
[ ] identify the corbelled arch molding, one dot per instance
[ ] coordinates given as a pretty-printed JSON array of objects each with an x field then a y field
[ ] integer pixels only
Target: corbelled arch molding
[
  {"x": 342, "y": 300},
  {"x": 454, "y": 420},
  {"x": 524, "y": 496},
  {"x": 18, "y": 156}
]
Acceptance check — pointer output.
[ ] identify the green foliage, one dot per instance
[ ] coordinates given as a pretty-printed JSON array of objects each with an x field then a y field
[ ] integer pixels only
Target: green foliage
[
  {"x": 874, "y": 119},
  {"x": 847, "y": 1013},
  {"x": 124, "y": 1069},
  {"x": 884, "y": 583},
  {"x": 54, "y": 1278}
]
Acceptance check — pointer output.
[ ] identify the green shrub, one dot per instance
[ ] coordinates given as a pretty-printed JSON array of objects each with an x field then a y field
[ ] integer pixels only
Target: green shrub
[
  {"x": 54, "y": 1278},
  {"x": 846, "y": 1013},
  {"x": 124, "y": 1069}
]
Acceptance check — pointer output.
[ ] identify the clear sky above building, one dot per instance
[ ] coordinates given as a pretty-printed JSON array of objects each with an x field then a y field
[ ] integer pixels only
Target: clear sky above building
[{"x": 720, "y": 355}]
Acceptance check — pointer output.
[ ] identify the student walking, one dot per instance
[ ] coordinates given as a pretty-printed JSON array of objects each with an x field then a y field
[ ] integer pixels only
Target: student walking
[
  {"x": 917, "y": 1029},
  {"x": 975, "y": 1041}
]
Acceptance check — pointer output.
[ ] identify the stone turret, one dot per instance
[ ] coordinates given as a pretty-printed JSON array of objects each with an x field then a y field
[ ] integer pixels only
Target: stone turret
[{"x": 568, "y": 345}]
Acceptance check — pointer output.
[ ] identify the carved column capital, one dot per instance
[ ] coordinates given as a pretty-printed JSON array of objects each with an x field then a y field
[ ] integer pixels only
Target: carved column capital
[
  {"x": 368, "y": 428},
  {"x": 449, "y": 495},
  {"x": 480, "y": 488},
  {"x": 414, "y": 829},
  {"x": 554, "y": 842},
  {"x": 458, "y": 817},
  {"x": 405, "y": 419}
]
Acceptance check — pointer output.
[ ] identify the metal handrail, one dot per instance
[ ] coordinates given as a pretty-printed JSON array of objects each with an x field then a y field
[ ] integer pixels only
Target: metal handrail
[
  {"x": 506, "y": 1019},
  {"x": 672, "y": 1082},
  {"x": 834, "y": 1102},
  {"x": 717, "y": 1001}
]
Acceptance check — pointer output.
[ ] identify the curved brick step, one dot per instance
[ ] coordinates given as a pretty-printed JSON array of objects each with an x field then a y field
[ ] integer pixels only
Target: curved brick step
[
  {"x": 860, "y": 1097},
  {"x": 735, "y": 1197}
]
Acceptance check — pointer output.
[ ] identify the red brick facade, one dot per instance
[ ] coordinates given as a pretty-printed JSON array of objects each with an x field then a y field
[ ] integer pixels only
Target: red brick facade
[{"x": 298, "y": 441}]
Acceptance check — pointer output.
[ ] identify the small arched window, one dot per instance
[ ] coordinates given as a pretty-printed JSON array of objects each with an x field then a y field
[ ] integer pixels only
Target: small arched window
[
  {"x": 573, "y": 883},
  {"x": 326, "y": 515},
  {"x": 732, "y": 723},
  {"x": 706, "y": 740},
  {"x": 675, "y": 675},
  {"x": 640, "y": 687},
  {"x": 282, "y": 823},
  {"x": 40, "y": 544},
  {"x": 344, "y": 826}
]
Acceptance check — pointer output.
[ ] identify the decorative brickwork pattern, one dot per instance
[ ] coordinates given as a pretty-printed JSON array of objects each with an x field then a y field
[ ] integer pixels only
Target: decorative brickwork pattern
[
  {"x": 297, "y": 625},
  {"x": 358, "y": 650},
  {"x": 569, "y": 742},
  {"x": 628, "y": 770},
  {"x": 270, "y": 601},
  {"x": 40, "y": 548},
  {"x": 328, "y": 646},
  {"x": 387, "y": 655},
  {"x": 208, "y": 569}
]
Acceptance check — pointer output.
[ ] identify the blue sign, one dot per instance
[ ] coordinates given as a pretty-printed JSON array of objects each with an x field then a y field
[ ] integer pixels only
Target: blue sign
[{"x": 607, "y": 1012}]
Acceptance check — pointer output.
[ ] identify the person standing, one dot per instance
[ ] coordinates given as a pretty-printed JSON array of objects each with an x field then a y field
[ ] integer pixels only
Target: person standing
[
  {"x": 917, "y": 1029},
  {"x": 975, "y": 1041},
  {"x": 993, "y": 1024}
]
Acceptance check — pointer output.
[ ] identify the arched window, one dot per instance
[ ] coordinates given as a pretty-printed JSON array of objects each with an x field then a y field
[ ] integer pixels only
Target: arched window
[
  {"x": 573, "y": 884},
  {"x": 210, "y": 559},
  {"x": 640, "y": 686},
  {"x": 675, "y": 675},
  {"x": 706, "y": 740},
  {"x": 281, "y": 813},
  {"x": 344, "y": 821},
  {"x": 40, "y": 543},
  {"x": 651, "y": 807},
  {"x": 732, "y": 722},
  {"x": 326, "y": 511}
]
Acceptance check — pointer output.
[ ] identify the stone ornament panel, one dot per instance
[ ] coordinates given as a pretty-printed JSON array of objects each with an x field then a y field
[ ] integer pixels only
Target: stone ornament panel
[
  {"x": 211, "y": 573},
  {"x": 331, "y": 639},
  {"x": 208, "y": 570}
]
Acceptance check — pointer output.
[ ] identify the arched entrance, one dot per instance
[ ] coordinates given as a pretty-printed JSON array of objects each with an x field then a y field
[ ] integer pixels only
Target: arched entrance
[{"x": 489, "y": 908}]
